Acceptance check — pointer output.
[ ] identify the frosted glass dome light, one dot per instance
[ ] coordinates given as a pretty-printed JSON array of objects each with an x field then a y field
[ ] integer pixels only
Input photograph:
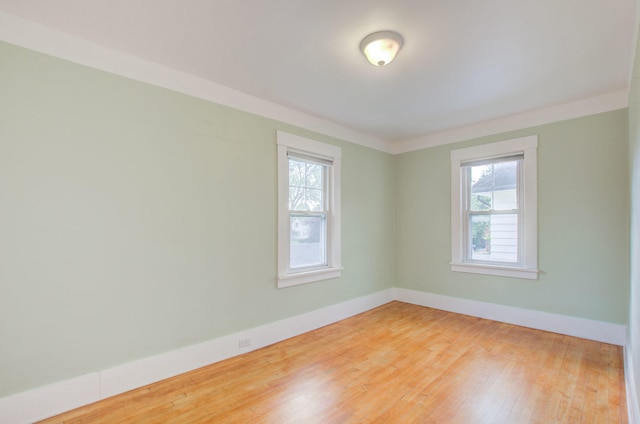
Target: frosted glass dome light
[{"x": 381, "y": 47}]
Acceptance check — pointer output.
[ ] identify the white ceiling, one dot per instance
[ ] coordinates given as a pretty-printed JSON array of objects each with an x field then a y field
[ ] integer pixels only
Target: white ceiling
[{"x": 463, "y": 61}]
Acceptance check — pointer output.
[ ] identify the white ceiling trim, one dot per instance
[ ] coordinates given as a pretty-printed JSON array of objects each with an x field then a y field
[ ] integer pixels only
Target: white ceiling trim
[
  {"x": 34, "y": 36},
  {"x": 585, "y": 107}
]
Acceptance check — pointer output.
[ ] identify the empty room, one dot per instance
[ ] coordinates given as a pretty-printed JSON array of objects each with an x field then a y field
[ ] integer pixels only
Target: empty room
[{"x": 217, "y": 211}]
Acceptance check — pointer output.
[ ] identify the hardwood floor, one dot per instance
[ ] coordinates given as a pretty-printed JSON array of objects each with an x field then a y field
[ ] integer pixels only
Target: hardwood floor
[{"x": 398, "y": 363}]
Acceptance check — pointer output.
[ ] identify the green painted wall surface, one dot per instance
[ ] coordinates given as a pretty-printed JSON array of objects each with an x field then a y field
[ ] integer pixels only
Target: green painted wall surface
[
  {"x": 135, "y": 220},
  {"x": 634, "y": 156},
  {"x": 583, "y": 222}
]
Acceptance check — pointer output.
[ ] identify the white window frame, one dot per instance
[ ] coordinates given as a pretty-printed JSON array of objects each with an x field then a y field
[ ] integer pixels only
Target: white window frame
[
  {"x": 286, "y": 276},
  {"x": 528, "y": 266}
]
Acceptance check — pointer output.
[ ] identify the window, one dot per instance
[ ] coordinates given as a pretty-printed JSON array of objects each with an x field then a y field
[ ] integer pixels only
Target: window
[
  {"x": 494, "y": 209},
  {"x": 308, "y": 210}
]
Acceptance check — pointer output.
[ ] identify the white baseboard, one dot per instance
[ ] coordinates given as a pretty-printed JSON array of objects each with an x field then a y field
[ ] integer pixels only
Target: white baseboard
[
  {"x": 632, "y": 393},
  {"x": 43, "y": 402},
  {"x": 578, "y": 327},
  {"x": 59, "y": 397}
]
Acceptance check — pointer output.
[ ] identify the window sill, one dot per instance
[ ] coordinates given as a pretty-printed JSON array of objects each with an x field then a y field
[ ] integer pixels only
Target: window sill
[
  {"x": 501, "y": 271},
  {"x": 308, "y": 277}
]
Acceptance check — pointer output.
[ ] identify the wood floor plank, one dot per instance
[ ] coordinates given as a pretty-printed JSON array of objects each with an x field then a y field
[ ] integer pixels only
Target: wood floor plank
[{"x": 398, "y": 363}]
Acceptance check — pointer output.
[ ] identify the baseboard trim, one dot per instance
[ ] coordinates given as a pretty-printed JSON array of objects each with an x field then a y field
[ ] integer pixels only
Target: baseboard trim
[
  {"x": 47, "y": 401},
  {"x": 630, "y": 383},
  {"x": 578, "y": 327}
]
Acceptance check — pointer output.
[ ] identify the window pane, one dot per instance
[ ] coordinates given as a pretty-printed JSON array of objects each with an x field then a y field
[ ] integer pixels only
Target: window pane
[
  {"x": 494, "y": 186},
  {"x": 308, "y": 235},
  {"x": 306, "y": 186},
  {"x": 494, "y": 237},
  {"x": 481, "y": 187}
]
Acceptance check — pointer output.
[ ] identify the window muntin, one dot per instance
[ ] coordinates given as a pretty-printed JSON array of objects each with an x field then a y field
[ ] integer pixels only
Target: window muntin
[
  {"x": 487, "y": 210},
  {"x": 308, "y": 210}
]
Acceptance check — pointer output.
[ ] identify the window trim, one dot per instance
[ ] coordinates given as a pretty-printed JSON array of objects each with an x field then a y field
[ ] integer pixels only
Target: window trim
[
  {"x": 528, "y": 269},
  {"x": 289, "y": 142}
]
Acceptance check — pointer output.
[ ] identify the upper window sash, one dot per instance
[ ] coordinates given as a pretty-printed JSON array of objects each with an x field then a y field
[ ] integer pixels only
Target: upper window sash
[
  {"x": 305, "y": 188},
  {"x": 467, "y": 184}
]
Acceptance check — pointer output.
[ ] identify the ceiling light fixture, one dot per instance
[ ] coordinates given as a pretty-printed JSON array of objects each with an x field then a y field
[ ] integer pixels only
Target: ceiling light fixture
[{"x": 381, "y": 47}]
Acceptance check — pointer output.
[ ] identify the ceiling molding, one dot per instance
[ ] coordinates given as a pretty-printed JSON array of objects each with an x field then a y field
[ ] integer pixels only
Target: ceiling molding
[
  {"x": 585, "y": 107},
  {"x": 34, "y": 36}
]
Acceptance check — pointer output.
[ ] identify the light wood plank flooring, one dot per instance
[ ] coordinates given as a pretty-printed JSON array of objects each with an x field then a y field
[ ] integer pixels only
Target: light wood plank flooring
[{"x": 398, "y": 363}]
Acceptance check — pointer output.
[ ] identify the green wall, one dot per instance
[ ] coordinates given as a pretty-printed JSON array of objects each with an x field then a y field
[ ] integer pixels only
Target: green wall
[
  {"x": 583, "y": 222},
  {"x": 135, "y": 220}
]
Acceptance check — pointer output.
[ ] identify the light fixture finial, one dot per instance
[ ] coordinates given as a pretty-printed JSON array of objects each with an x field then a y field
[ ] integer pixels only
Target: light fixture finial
[{"x": 381, "y": 47}]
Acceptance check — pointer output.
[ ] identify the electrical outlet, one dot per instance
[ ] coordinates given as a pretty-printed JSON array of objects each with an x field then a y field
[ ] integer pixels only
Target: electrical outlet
[{"x": 244, "y": 342}]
